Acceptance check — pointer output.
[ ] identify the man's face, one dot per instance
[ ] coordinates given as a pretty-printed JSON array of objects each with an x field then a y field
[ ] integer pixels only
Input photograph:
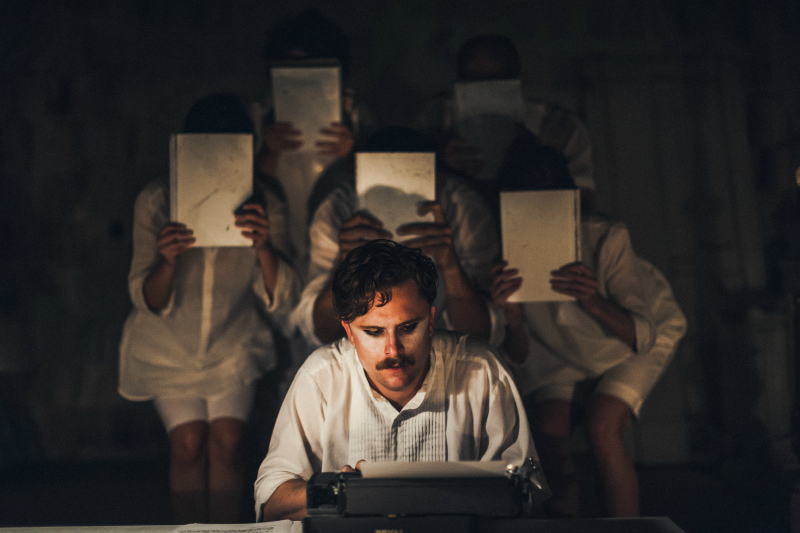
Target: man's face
[{"x": 393, "y": 343}]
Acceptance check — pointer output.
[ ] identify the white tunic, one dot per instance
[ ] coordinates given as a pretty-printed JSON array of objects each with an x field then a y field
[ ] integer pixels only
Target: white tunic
[
  {"x": 562, "y": 334},
  {"x": 467, "y": 409},
  {"x": 215, "y": 333},
  {"x": 475, "y": 238}
]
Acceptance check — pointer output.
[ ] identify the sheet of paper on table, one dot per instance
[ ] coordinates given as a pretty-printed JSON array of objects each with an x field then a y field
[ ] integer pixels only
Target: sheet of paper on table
[
  {"x": 441, "y": 469},
  {"x": 487, "y": 113},
  {"x": 280, "y": 526},
  {"x": 540, "y": 233},
  {"x": 211, "y": 175},
  {"x": 307, "y": 94},
  {"x": 392, "y": 186}
]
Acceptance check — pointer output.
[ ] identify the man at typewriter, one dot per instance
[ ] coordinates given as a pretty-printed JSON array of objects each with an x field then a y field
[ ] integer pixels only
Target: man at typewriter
[{"x": 392, "y": 390}]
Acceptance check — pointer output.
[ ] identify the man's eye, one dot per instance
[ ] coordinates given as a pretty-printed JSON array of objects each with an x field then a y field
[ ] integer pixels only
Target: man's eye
[
  {"x": 408, "y": 328},
  {"x": 372, "y": 332}
]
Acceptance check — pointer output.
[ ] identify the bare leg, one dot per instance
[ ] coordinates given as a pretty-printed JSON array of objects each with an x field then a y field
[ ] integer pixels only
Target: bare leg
[
  {"x": 550, "y": 420},
  {"x": 225, "y": 470},
  {"x": 187, "y": 471},
  {"x": 608, "y": 417}
]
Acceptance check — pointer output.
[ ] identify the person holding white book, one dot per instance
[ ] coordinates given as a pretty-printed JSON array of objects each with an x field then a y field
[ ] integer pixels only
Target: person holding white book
[
  {"x": 611, "y": 345},
  {"x": 297, "y": 158},
  {"x": 486, "y": 58},
  {"x": 462, "y": 238},
  {"x": 392, "y": 390},
  {"x": 200, "y": 333}
]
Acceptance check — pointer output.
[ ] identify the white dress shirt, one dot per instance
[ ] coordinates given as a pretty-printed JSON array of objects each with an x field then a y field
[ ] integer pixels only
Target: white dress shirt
[
  {"x": 466, "y": 409},
  {"x": 563, "y": 334}
]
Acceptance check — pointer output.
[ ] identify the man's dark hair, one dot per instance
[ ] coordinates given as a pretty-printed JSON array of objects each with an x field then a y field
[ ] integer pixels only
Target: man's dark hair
[
  {"x": 498, "y": 47},
  {"x": 370, "y": 272}
]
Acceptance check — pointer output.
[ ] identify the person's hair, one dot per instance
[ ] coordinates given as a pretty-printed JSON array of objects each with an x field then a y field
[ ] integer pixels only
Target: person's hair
[
  {"x": 370, "y": 272},
  {"x": 530, "y": 165},
  {"x": 313, "y": 33},
  {"x": 218, "y": 113},
  {"x": 498, "y": 47}
]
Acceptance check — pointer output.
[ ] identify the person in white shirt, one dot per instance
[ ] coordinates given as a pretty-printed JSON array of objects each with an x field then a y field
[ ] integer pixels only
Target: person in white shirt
[
  {"x": 616, "y": 337},
  {"x": 392, "y": 390},
  {"x": 200, "y": 333},
  {"x": 462, "y": 239},
  {"x": 491, "y": 58}
]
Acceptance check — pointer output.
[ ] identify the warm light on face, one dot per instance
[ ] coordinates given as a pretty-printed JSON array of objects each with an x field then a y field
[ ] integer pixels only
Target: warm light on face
[{"x": 393, "y": 343}]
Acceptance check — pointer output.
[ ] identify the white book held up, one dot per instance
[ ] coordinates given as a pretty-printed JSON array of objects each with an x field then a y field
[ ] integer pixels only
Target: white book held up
[
  {"x": 393, "y": 185},
  {"x": 540, "y": 233},
  {"x": 486, "y": 115},
  {"x": 309, "y": 96},
  {"x": 211, "y": 175}
]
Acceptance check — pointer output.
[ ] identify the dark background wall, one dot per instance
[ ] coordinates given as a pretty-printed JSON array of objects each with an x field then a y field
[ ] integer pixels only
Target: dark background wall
[{"x": 693, "y": 108}]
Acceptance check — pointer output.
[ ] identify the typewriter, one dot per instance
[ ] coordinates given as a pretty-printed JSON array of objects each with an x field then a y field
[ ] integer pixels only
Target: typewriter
[{"x": 422, "y": 497}]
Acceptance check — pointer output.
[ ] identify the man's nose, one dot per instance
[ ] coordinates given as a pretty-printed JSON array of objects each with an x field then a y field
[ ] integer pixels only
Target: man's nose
[{"x": 393, "y": 345}]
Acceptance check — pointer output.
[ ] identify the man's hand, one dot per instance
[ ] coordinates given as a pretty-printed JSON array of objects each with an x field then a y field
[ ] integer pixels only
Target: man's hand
[
  {"x": 348, "y": 468},
  {"x": 282, "y": 136},
  {"x": 357, "y": 230},
  {"x": 433, "y": 238},
  {"x": 254, "y": 223},
  {"x": 464, "y": 157},
  {"x": 173, "y": 239},
  {"x": 577, "y": 280},
  {"x": 339, "y": 141}
]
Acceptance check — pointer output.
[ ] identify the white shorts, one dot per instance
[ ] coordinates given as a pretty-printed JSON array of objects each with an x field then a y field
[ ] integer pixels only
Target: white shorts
[
  {"x": 624, "y": 381},
  {"x": 177, "y": 410}
]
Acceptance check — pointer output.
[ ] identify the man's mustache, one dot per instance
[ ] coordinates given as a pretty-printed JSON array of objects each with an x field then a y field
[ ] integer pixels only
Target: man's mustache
[{"x": 390, "y": 362}]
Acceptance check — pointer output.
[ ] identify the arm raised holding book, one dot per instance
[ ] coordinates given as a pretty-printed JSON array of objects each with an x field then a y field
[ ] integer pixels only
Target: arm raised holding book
[
  {"x": 255, "y": 226},
  {"x": 579, "y": 281},
  {"x": 468, "y": 310},
  {"x": 355, "y": 231}
]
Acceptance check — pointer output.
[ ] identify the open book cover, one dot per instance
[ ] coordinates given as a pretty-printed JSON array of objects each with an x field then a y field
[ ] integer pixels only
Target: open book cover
[
  {"x": 211, "y": 175},
  {"x": 307, "y": 94},
  {"x": 540, "y": 233},
  {"x": 392, "y": 186},
  {"x": 487, "y": 113}
]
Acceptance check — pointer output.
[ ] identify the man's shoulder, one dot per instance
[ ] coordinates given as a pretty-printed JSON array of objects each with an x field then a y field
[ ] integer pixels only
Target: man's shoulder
[{"x": 328, "y": 360}]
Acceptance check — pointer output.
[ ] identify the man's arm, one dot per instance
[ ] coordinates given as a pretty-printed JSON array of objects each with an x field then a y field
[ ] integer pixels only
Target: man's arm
[
  {"x": 288, "y": 502},
  {"x": 579, "y": 281}
]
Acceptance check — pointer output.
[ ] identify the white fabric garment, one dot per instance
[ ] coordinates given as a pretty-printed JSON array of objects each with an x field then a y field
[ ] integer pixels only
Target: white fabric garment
[
  {"x": 467, "y": 409},
  {"x": 554, "y": 125},
  {"x": 563, "y": 335},
  {"x": 475, "y": 238},
  {"x": 215, "y": 334}
]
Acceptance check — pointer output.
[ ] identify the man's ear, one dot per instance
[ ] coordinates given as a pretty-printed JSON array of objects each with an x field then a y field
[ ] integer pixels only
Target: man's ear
[
  {"x": 430, "y": 322},
  {"x": 349, "y": 333}
]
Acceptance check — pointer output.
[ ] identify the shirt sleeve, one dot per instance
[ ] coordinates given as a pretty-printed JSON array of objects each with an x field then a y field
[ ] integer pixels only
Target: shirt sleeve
[
  {"x": 323, "y": 256},
  {"x": 622, "y": 281},
  {"x": 296, "y": 439},
  {"x": 669, "y": 325},
  {"x": 507, "y": 434},
  {"x": 150, "y": 214}
]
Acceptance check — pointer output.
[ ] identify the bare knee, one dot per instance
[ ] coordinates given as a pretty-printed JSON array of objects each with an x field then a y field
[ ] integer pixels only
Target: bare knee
[
  {"x": 189, "y": 442},
  {"x": 226, "y": 439}
]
